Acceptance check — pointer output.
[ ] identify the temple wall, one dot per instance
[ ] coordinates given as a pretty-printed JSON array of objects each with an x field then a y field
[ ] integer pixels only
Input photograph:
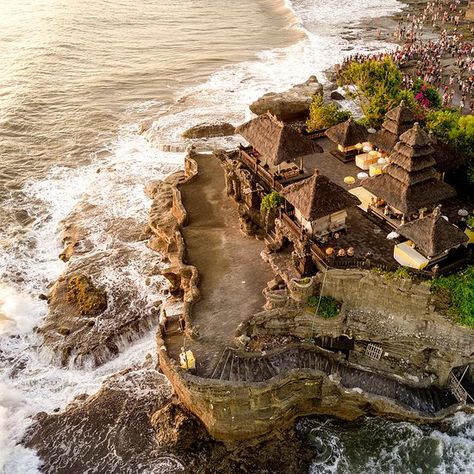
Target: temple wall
[
  {"x": 418, "y": 343},
  {"x": 234, "y": 412}
]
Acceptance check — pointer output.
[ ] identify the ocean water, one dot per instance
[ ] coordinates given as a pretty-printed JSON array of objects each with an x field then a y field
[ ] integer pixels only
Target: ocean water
[{"x": 78, "y": 80}]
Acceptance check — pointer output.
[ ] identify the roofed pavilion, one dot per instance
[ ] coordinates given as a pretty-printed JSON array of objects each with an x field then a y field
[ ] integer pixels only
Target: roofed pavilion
[
  {"x": 275, "y": 141},
  {"x": 320, "y": 205},
  {"x": 409, "y": 182},
  {"x": 346, "y": 135},
  {"x": 433, "y": 235}
]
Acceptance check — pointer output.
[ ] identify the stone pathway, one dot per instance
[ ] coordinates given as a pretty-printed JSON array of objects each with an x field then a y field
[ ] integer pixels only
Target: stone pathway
[{"x": 232, "y": 273}]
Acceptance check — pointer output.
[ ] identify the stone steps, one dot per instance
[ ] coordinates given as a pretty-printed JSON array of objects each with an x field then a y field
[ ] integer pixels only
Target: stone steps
[{"x": 237, "y": 367}]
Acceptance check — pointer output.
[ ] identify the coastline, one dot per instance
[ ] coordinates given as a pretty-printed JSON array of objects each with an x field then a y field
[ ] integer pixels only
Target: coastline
[{"x": 369, "y": 32}]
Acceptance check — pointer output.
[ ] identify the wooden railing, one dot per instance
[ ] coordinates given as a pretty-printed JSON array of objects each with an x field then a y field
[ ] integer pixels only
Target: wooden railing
[
  {"x": 251, "y": 162},
  {"x": 291, "y": 225}
]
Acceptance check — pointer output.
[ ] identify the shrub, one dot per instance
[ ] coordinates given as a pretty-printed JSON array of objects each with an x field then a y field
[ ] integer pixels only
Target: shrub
[
  {"x": 313, "y": 301},
  {"x": 378, "y": 89},
  {"x": 328, "y": 307},
  {"x": 426, "y": 95},
  {"x": 470, "y": 221},
  {"x": 460, "y": 288},
  {"x": 271, "y": 201},
  {"x": 323, "y": 115},
  {"x": 450, "y": 127}
]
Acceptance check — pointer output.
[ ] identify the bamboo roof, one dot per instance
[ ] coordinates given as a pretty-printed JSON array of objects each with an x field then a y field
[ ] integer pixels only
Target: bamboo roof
[
  {"x": 318, "y": 196},
  {"x": 433, "y": 234},
  {"x": 347, "y": 133},
  {"x": 276, "y": 141}
]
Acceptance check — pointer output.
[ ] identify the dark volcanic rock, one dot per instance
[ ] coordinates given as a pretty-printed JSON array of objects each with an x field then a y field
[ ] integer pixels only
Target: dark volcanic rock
[
  {"x": 132, "y": 425},
  {"x": 182, "y": 434},
  {"x": 335, "y": 95},
  {"x": 110, "y": 432}
]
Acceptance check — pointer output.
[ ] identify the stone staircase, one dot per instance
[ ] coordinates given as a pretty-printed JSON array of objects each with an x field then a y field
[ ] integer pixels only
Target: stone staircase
[{"x": 254, "y": 367}]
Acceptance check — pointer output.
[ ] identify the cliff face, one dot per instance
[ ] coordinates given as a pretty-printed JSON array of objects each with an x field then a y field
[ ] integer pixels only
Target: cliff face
[
  {"x": 419, "y": 347},
  {"x": 419, "y": 344}
]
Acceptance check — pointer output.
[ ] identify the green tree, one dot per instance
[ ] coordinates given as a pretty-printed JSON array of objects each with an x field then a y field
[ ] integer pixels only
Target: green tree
[
  {"x": 378, "y": 88},
  {"x": 323, "y": 115},
  {"x": 270, "y": 203}
]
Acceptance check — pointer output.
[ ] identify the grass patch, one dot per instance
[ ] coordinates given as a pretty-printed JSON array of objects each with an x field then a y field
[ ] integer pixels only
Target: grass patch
[
  {"x": 401, "y": 273},
  {"x": 457, "y": 293},
  {"x": 328, "y": 308}
]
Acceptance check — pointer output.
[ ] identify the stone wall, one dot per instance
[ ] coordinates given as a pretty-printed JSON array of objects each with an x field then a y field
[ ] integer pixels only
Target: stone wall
[
  {"x": 236, "y": 412},
  {"x": 418, "y": 343}
]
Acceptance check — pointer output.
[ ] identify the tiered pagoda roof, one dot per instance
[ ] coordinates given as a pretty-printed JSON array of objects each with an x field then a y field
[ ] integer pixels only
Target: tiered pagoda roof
[
  {"x": 348, "y": 133},
  {"x": 409, "y": 182},
  {"x": 397, "y": 121},
  {"x": 433, "y": 235},
  {"x": 318, "y": 196},
  {"x": 276, "y": 141}
]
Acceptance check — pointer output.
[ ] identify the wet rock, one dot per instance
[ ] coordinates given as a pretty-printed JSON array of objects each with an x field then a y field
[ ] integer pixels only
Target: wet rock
[
  {"x": 109, "y": 431},
  {"x": 182, "y": 434},
  {"x": 335, "y": 95},
  {"x": 82, "y": 293},
  {"x": 290, "y": 105},
  {"x": 209, "y": 130}
]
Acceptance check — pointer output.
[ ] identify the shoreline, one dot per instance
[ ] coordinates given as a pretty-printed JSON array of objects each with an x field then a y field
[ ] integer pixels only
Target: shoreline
[{"x": 417, "y": 2}]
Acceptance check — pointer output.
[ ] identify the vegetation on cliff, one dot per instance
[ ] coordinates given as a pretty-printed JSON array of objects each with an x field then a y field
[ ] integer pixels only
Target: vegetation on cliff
[
  {"x": 328, "y": 306},
  {"x": 271, "y": 201},
  {"x": 456, "y": 292},
  {"x": 451, "y": 127},
  {"x": 378, "y": 88},
  {"x": 323, "y": 115}
]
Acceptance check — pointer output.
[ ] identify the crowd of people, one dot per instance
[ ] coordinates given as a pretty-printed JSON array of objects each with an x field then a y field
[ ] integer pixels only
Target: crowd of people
[{"x": 442, "y": 56}]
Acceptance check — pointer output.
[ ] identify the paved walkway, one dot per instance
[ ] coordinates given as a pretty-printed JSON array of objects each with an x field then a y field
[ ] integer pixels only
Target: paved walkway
[{"x": 232, "y": 273}]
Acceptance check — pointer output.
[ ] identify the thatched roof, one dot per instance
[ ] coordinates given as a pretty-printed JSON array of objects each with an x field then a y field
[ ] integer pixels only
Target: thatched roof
[
  {"x": 384, "y": 140},
  {"x": 413, "y": 152},
  {"x": 433, "y": 234},
  {"x": 401, "y": 114},
  {"x": 318, "y": 196},
  {"x": 276, "y": 141},
  {"x": 416, "y": 137},
  {"x": 412, "y": 164},
  {"x": 397, "y": 121},
  {"x": 347, "y": 133},
  {"x": 395, "y": 127},
  {"x": 410, "y": 178},
  {"x": 405, "y": 197}
]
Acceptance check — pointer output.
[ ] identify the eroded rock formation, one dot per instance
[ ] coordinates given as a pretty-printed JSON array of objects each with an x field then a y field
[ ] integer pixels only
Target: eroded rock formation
[{"x": 292, "y": 104}]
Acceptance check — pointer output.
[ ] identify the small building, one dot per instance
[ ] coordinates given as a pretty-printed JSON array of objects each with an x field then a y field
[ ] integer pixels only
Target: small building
[
  {"x": 320, "y": 206},
  {"x": 409, "y": 184},
  {"x": 431, "y": 240},
  {"x": 397, "y": 121},
  {"x": 347, "y": 135},
  {"x": 275, "y": 142}
]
